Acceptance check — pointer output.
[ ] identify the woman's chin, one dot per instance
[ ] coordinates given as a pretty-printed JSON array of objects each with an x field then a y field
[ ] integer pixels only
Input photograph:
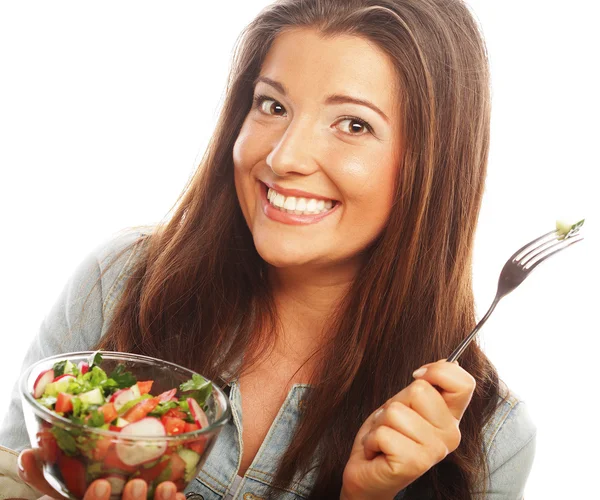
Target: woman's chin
[
  {"x": 278, "y": 260},
  {"x": 281, "y": 256}
]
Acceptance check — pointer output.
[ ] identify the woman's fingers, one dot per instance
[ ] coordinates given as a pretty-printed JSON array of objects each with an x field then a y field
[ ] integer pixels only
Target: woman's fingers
[
  {"x": 456, "y": 384},
  {"x": 166, "y": 491},
  {"x": 427, "y": 401},
  {"x": 135, "y": 490},
  {"x": 98, "y": 490},
  {"x": 383, "y": 439},
  {"x": 30, "y": 472},
  {"x": 406, "y": 421}
]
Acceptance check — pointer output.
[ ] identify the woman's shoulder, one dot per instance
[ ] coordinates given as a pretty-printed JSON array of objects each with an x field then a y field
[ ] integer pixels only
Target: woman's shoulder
[
  {"x": 121, "y": 247},
  {"x": 93, "y": 289},
  {"x": 115, "y": 258},
  {"x": 509, "y": 438}
]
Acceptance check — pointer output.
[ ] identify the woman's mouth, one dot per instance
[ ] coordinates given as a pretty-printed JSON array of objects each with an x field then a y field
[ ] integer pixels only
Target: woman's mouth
[
  {"x": 295, "y": 209},
  {"x": 298, "y": 205}
]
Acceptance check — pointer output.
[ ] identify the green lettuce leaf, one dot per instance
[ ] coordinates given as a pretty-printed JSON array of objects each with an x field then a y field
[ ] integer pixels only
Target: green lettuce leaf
[
  {"x": 197, "y": 387},
  {"x": 66, "y": 442},
  {"x": 122, "y": 378}
]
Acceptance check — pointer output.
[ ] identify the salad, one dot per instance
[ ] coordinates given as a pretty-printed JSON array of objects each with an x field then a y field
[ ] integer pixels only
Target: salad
[
  {"x": 86, "y": 395},
  {"x": 567, "y": 228}
]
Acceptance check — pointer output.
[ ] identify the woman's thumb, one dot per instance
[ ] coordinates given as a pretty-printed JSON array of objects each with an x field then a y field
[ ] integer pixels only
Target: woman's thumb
[{"x": 30, "y": 471}]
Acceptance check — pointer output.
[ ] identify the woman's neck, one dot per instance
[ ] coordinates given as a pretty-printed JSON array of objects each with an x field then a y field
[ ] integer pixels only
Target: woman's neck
[{"x": 305, "y": 300}]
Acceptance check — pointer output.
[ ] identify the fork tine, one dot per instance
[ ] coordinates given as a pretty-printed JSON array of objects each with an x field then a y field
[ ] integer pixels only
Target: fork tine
[
  {"x": 533, "y": 252},
  {"x": 550, "y": 251},
  {"x": 531, "y": 243}
]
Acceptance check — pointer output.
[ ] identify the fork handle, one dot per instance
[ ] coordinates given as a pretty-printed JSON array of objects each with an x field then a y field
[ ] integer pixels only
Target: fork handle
[{"x": 465, "y": 343}]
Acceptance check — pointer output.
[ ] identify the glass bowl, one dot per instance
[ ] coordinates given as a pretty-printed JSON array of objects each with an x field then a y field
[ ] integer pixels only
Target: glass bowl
[{"x": 75, "y": 454}]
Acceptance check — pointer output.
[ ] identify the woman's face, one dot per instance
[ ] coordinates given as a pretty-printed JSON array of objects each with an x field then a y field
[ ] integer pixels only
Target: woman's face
[{"x": 317, "y": 156}]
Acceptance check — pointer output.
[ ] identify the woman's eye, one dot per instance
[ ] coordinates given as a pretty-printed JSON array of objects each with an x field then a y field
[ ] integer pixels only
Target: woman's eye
[
  {"x": 269, "y": 106},
  {"x": 355, "y": 126}
]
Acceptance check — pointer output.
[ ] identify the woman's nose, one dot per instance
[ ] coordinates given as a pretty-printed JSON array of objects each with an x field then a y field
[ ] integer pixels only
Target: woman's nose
[{"x": 293, "y": 152}]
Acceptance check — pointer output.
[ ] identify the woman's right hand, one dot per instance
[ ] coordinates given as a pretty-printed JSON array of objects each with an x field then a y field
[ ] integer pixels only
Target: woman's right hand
[{"x": 30, "y": 471}]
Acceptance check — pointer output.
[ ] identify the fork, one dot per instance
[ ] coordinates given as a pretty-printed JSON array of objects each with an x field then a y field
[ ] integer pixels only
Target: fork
[{"x": 518, "y": 267}]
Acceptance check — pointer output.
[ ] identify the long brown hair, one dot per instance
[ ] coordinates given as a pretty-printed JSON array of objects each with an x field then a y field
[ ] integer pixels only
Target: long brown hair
[{"x": 199, "y": 295}]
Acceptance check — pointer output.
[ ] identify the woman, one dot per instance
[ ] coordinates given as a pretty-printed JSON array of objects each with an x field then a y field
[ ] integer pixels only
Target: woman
[{"x": 322, "y": 253}]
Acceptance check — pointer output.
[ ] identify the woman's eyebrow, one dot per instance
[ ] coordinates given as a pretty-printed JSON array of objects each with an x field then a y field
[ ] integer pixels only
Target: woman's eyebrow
[
  {"x": 341, "y": 99},
  {"x": 331, "y": 99}
]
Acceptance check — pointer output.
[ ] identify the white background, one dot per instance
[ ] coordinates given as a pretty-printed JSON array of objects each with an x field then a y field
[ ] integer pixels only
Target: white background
[{"x": 105, "y": 110}]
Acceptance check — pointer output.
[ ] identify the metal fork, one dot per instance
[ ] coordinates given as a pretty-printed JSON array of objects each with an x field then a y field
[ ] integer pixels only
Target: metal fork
[{"x": 518, "y": 267}]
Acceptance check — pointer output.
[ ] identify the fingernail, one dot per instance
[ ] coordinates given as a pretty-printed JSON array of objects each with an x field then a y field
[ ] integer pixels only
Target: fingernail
[
  {"x": 22, "y": 472},
  {"x": 167, "y": 492},
  {"x": 139, "y": 489},
  {"x": 101, "y": 489},
  {"x": 420, "y": 372}
]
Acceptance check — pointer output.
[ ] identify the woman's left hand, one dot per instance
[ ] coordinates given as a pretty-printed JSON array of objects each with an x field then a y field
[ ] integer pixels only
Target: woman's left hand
[{"x": 409, "y": 434}]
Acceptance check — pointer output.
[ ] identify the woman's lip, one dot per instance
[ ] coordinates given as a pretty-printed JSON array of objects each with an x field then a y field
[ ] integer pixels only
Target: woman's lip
[
  {"x": 293, "y": 219},
  {"x": 295, "y": 192}
]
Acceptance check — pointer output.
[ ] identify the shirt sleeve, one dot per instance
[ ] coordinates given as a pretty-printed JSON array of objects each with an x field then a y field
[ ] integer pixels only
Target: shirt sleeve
[
  {"x": 75, "y": 323},
  {"x": 511, "y": 452}
]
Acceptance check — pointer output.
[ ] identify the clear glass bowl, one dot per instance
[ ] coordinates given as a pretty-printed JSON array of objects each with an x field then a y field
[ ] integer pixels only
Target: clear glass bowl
[{"x": 91, "y": 453}]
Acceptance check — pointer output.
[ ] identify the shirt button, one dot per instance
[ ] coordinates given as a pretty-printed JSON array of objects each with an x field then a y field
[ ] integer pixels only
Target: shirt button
[
  {"x": 194, "y": 496},
  {"x": 250, "y": 496}
]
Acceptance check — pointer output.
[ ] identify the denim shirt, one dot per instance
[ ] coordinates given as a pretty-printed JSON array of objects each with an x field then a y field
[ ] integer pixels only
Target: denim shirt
[{"x": 509, "y": 435}]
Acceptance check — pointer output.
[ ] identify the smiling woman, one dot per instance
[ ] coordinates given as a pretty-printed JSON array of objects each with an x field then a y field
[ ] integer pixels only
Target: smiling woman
[{"x": 320, "y": 255}]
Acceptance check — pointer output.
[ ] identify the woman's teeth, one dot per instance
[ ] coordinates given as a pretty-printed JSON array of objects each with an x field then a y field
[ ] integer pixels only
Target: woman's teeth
[{"x": 299, "y": 206}]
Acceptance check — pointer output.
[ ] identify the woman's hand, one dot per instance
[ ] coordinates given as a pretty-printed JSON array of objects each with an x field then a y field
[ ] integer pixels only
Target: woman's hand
[
  {"x": 31, "y": 472},
  {"x": 409, "y": 434}
]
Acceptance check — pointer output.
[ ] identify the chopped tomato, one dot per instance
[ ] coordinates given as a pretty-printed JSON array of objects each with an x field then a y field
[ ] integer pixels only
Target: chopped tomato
[
  {"x": 101, "y": 447},
  {"x": 173, "y": 425},
  {"x": 197, "y": 445},
  {"x": 190, "y": 427},
  {"x": 115, "y": 428},
  {"x": 151, "y": 473},
  {"x": 112, "y": 461},
  {"x": 145, "y": 386},
  {"x": 166, "y": 396},
  {"x": 73, "y": 474},
  {"x": 177, "y": 467},
  {"x": 180, "y": 484},
  {"x": 174, "y": 412},
  {"x": 64, "y": 402},
  {"x": 109, "y": 411},
  {"x": 48, "y": 446},
  {"x": 141, "y": 409}
]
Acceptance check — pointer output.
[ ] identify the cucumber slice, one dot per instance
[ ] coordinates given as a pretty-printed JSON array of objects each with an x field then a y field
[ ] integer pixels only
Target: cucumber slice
[
  {"x": 564, "y": 227},
  {"x": 117, "y": 483},
  {"x": 121, "y": 422},
  {"x": 69, "y": 368},
  {"x": 60, "y": 384},
  {"x": 191, "y": 459},
  {"x": 93, "y": 397}
]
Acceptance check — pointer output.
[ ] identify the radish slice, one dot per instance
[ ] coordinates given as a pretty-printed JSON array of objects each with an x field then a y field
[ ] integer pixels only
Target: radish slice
[
  {"x": 139, "y": 451},
  {"x": 66, "y": 375},
  {"x": 198, "y": 413},
  {"x": 41, "y": 382},
  {"x": 83, "y": 367},
  {"x": 123, "y": 396},
  {"x": 167, "y": 396}
]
